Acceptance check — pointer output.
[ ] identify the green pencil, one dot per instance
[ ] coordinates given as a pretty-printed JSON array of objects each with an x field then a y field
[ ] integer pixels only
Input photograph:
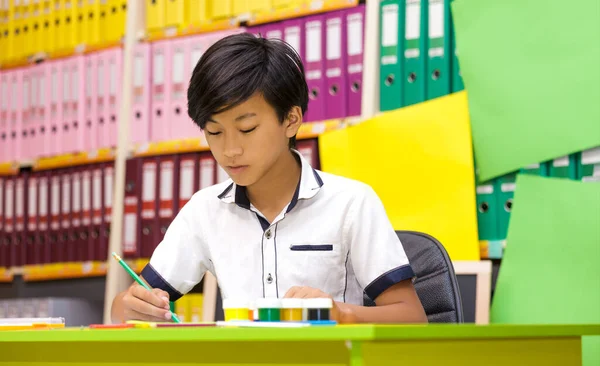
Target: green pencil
[{"x": 139, "y": 280}]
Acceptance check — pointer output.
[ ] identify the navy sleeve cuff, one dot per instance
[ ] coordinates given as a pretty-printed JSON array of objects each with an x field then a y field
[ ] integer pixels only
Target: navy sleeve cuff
[
  {"x": 388, "y": 279},
  {"x": 155, "y": 280}
]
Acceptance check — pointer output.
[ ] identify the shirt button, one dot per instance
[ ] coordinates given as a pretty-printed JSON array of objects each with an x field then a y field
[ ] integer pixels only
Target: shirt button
[
  {"x": 269, "y": 279},
  {"x": 268, "y": 234}
]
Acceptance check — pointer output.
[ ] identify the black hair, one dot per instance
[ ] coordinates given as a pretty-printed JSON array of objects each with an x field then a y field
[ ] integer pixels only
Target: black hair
[{"x": 240, "y": 65}]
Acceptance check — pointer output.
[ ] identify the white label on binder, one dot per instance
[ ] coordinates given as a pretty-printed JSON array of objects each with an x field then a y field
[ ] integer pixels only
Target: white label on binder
[
  {"x": 97, "y": 190},
  {"x": 292, "y": 37},
  {"x": 390, "y": 25},
  {"x": 42, "y": 91},
  {"x": 158, "y": 69},
  {"x": 32, "y": 194},
  {"x": 100, "y": 79},
  {"x": 66, "y": 85},
  {"x": 88, "y": 80},
  {"x": 487, "y": 189},
  {"x": 66, "y": 196},
  {"x": 178, "y": 66},
  {"x": 19, "y": 209},
  {"x": 196, "y": 55},
  {"x": 274, "y": 34},
  {"x": 4, "y": 99},
  {"x": 355, "y": 34},
  {"x": 166, "y": 181},
  {"x": 186, "y": 180},
  {"x": 112, "y": 86},
  {"x": 8, "y": 203},
  {"x": 43, "y": 193},
  {"x": 74, "y": 85},
  {"x": 86, "y": 188},
  {"x": 313, "y": 41},
  {"x": 108, "y": 187},
  {"x": 138, "y": 71},
  {"x": 413, "y": 19},
  {"x": 591, "y": 156},
  {"x": 149, "y": 182},
  {"x": 334, "y": 39},
  {"x": 76, "y": 193},
  {"x": 55, "y": 201},
  {"x": 25, "y": 94},
  {"x": 129, "y": 225},
  {"x": 436, "y": 18},
  {"x": 561, "y": 162},
  {"x": 207, "y": 171}
]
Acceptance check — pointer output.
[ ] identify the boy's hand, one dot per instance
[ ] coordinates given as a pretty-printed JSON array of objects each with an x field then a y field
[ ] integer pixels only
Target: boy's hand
[
  {"x": 340, "y": 312},
  {"x": 141, "y": 304}
]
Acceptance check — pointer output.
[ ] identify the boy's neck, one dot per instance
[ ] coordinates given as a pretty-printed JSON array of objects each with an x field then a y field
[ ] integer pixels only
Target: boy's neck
[{"x": 276, "y": 188}]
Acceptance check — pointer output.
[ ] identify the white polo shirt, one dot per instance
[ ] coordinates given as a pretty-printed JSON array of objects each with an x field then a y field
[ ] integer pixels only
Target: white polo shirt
[{"x": 334, "y": 235}]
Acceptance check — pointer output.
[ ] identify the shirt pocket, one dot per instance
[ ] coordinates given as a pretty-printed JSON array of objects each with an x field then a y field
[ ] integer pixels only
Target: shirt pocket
[{"x": 311, "y": 247}]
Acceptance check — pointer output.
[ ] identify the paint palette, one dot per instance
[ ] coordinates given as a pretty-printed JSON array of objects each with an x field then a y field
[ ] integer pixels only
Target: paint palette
[{"x": 289, "y": 312}]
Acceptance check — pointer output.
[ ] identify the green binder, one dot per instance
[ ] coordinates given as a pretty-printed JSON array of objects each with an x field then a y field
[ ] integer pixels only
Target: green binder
[
  {"x": 505, "y": 190},
  {"x": 588, "y": 165},
  {"x": 439, "y": 49},
  {"x": 456, "y": 79},
  {"x": 415, "y": 52},
  {"x": 564, "y": 167},
  {"x": 487, "y": 209},
  {"x": 536, "y": 169},
  {"x": 391, "y": 62}
]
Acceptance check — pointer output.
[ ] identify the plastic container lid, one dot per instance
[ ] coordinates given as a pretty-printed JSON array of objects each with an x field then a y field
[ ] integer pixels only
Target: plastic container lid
[
  {"x": 268, "y": 303},
  {"x": 235, "y": 304},
  {"x": 320, "y": 303},
  {"x": 292, "y": 303}
]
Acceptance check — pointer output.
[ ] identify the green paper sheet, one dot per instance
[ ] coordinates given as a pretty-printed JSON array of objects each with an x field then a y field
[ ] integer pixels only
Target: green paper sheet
[
  {"x": 550, "y": 272},
  {"x": 531, "y": 70}
]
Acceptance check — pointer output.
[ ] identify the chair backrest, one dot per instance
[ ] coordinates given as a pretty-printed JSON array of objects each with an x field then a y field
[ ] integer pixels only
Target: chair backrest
[{"x": 435, "y": 282}]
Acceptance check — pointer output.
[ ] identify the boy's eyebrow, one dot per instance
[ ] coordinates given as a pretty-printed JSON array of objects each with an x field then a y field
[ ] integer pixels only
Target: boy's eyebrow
[{"x": 244, "y": 116}]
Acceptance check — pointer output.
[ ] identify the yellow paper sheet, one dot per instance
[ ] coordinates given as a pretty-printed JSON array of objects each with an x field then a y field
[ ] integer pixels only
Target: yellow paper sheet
[{"x": 419, "y": 161}]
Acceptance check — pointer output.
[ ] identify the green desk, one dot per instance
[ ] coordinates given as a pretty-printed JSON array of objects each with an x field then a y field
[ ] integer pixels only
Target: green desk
[{"x": 361, "y": 345}]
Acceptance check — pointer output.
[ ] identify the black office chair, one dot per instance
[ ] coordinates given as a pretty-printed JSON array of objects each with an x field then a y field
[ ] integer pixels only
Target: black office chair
[{"x": 435, "y": 281}]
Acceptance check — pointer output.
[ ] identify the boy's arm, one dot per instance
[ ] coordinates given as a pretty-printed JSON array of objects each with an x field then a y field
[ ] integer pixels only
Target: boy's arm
[{"x": 397, "y": 304}]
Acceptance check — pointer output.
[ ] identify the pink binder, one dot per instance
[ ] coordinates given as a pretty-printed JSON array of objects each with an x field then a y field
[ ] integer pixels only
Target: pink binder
[
  {"x": 101, "y": 129},
  {"x": 4, "y": 112},
  {"x": 42, "y": 114},
  {"x": 355, "y": 25},
  {"x": 140, "y": 102},
  {"x": 29, "y": 126},
  {"x": 178, "y": 75},
  {"x": 16, "y": 114},
  {"x": 90, "y": 103},
  {"x": 65, "y": 132},
  {"x": 56, "y": 107},
  {"x": 314, "y": 31},
  {"x": 160, "y": 126},
  {"x": 114, "y": 60},
  {"x": 197, "y": 45},
  {"x": 335, "y": 65},
  {"x": 27, "y": 151},
  {"x": 76, "y": 117}
]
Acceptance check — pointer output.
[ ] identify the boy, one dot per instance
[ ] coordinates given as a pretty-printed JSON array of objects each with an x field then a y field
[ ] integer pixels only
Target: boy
[{"x": 277, "y": 228}]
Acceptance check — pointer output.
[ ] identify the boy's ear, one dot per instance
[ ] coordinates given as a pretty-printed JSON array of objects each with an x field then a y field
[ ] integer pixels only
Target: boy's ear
[{"x": 293, "y": 121}]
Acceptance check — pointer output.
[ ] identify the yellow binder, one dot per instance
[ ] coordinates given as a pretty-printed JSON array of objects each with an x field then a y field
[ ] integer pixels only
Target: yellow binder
[
  {"x": 60, "y": 35},
  {"x": 241, "y": 7},
  {"x": 69, "y": 21},
  {"x": 155, "y": 15},
  {"x": 26, "y": 25},
  {"x": 219, "y": 10},
  {"x": 92, "y": 23},
  {"x": 116, "y": 11},
  {"x": 36, "y": 23},
  {"x": 3, "y": 32},
  {"x": 197, "y": 16},
  {"x": 177, "y": 12},
  {"x": 14, "y": 31},
  {"x": 47, "y": 34}
]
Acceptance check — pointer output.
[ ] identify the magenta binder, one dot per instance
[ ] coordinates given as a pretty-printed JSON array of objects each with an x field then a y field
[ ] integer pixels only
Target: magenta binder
[
  {"x": 335, "y": 65},
  {"x": 355, "y": 25},
  {"x": 159, "y": 124},
  {"x": 140, "y": 102},
  {"x": 314, "y": 32},
  {"x": 272, "y": 31},
  {"x": 114, "y": 60},
  {"x": 56, "y": 107},
  {"x": 91, "y": 120},
  {"x": 293, "y": 35},
  {"x": 178, "y": 75}
]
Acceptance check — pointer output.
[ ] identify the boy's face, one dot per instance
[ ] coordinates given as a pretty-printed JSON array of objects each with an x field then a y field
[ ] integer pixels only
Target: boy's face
[{"x": 248, "y": 139}]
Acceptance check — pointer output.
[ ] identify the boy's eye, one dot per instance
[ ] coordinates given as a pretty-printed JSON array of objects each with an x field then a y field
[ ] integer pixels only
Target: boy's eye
[
  {"x": 248, "y": 131},
  {"x": 213, "y": 133}
]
